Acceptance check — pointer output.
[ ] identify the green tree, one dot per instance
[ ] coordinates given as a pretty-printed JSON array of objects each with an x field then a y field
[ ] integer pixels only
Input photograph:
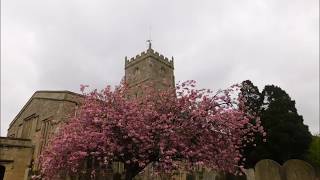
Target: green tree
[
  {"x": 287, "y": 136},
  {"x": 313, "y": 155}
]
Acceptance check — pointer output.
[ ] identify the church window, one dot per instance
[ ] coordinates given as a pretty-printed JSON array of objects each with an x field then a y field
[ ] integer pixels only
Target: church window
[
  {"x": 26, "y": 130},
  {"x": 46, "y": 130},
  {"x": 136, "y": 71},
  {"x": 150, "y": 63},
  {"x": 28, "y": 126},
  {"x": 38, "y": 126},
  {"x": 45, "y": 133},
  {"x": 162, "y": 71},
  {"x": 19, "y": 130}
]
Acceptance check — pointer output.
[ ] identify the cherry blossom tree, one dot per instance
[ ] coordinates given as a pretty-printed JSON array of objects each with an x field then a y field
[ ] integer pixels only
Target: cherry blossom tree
[{"x": 178, "y": 128}]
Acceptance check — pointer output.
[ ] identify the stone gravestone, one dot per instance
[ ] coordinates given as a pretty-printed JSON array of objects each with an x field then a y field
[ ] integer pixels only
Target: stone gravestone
[
  {"x": 210, "y": 175},
  {"x": 191, "y": 177},
  {"x": 267, "y": 169},
  {"x": 250, "y": 174},
  {"x": 295, "y": 169}
]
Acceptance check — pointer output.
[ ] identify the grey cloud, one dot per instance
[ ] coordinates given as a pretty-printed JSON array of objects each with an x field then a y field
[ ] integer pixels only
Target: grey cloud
[{"x": 62, "y": 44}]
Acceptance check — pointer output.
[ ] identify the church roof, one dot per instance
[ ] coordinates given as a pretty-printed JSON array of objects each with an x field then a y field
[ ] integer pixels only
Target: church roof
[{"x": 50, "y": 95}]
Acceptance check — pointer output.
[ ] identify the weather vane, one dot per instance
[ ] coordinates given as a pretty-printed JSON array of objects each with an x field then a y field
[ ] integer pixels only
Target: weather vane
[{"x": 149, "y": 40}]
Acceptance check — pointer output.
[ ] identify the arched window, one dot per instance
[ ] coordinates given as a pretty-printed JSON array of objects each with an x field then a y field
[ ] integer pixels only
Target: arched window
[
  {"x": 136, "y": 71},
  {"x": 162, "y": 71}
]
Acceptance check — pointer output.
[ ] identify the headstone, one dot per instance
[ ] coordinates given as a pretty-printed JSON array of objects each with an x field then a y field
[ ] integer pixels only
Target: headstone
[
  {"x": 250, "y": 174},
  {"x": 295, "y": 169},
  {"x": 267, "y": 169},
  {"x": 210, "y": 175},
  {"x": 191, "y": 177}
]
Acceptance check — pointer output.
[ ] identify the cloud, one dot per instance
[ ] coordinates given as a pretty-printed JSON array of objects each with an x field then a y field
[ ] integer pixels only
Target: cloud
[{"x": 58, "y": 45}]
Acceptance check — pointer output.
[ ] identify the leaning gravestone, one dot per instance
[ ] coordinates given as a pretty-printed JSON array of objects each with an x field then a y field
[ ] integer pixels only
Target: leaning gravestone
[
  {"x": 267, "y": 169},
  {"x": 295, "y": 169}
]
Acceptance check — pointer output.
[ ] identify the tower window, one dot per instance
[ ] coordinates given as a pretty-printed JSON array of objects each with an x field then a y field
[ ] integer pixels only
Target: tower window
[
  {"x": 27, "y": 126},
  {"x": 162, "y": 71},
  {"x": 136, "y": 71}
]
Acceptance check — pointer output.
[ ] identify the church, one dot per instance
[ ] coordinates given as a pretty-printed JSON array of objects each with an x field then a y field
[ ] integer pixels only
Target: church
[{"x": 41, "y": 116}]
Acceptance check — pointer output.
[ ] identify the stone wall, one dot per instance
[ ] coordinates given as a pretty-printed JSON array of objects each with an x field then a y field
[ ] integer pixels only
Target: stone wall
[{"x": 15, "y": 157}]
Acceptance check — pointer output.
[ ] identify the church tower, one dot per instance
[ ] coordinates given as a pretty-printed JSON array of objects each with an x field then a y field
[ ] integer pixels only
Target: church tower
[{"x": 149, "y": 66}]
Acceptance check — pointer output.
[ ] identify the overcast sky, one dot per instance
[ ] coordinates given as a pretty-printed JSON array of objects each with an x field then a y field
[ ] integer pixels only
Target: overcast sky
[{"x": 59, "y": 44}]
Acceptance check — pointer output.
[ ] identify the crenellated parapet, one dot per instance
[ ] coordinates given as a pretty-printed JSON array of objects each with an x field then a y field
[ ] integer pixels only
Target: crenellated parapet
[{"x": 149, "y": 53}]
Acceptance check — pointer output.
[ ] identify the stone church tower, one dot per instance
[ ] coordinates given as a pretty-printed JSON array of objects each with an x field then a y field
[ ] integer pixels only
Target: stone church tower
[{"x": 148, "y": 67}]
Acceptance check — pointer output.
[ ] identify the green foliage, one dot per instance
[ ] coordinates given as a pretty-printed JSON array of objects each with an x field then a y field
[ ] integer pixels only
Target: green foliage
[
  {"x": 313, "y": 155},
  {"x": 287, "y": 136}
]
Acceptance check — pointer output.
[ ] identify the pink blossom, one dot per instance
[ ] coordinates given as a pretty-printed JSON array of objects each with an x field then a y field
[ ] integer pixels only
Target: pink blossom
[{"x": 185, "y": 124}]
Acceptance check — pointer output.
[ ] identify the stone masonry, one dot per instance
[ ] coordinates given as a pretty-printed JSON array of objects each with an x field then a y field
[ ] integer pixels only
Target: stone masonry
[{"x": 30, "y": 130}]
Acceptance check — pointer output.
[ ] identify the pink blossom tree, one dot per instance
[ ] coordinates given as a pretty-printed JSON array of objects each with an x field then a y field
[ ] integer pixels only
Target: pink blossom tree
[{"x": 178, "y": 128}]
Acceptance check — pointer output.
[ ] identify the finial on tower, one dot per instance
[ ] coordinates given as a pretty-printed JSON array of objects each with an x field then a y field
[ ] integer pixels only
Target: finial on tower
[{"x": 149, "y": 43}]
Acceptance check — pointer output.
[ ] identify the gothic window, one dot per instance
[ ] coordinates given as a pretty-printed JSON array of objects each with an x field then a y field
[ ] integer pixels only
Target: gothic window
[
  {"x": 45, "y": 133},
  {"x": 46, "y": 130},
  {"x": 150, "y": 63},
  {"x": 19, "y": 130},
  {"x": 136, "y": 72},
  {"x": 38, "y": 126},
  {"x": 162, "y": 71},
  {"x": 26, "y": 130}
]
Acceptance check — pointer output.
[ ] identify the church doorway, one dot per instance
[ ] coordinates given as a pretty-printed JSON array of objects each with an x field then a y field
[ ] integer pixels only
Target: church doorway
[{"x": 2, "y": 170}]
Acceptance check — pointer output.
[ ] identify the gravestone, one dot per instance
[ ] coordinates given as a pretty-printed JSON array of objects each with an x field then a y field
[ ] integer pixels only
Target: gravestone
[
  {"x": 267, "y": 169},
  {"x": 250, "y": 174},
  {"x": 295, "y": 169},
  {"x": 210, "y": 175},
  {"x": 191, "y": 177}
]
